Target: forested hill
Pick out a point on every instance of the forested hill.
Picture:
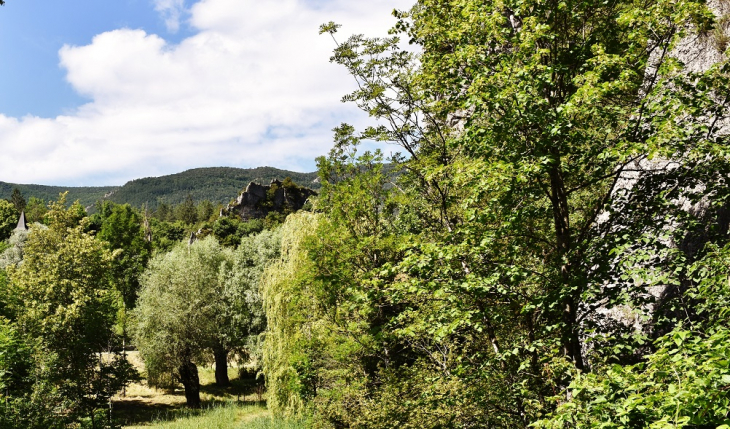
(86, 195)
(217, 184)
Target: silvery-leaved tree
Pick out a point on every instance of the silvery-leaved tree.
(177, 313)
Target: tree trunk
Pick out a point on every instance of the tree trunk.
(221, 366)
(191, 382)
(561, 216)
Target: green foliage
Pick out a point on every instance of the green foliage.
(217, 185)
(15, 360)
(121, 230)
(62, 297)
(230, 230)
(18, 200)
(186, 211)
(35, 409)
(179, 312)
(27, 401)
(249, 227)
(165, 234)
(535, 203)
(60, 218)
(200, 300)
(206, 211)
(225, 230)
(164, 212)
(274, 219)
(8, 219)
(4, 294)
(35, 210)
(685, 382)
(102, 210)
(243, 317)
(291, 315)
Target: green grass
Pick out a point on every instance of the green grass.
(222, 416)
(237, 406)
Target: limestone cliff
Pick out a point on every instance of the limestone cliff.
(257, 201)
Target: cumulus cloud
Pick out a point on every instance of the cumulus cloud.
(252, 86)
(171, 11)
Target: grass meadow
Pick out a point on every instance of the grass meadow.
(239, 406)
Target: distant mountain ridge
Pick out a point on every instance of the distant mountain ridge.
(217, 184)
(87, 195)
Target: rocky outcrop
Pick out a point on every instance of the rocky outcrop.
(257, 200)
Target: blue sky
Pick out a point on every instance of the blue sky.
(33, 31)
(97, 92)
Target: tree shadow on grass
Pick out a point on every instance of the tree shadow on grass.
(243, 390)
(137, 412)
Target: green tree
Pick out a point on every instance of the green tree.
(292, 315)
(538, 188)
(103, 209)
(242, 318)
(225, 230)
(250, 227)
(17, 199)
(186, 211)
(165, 234)
(122, 231)
(164, 212)
(28, 402)
(685, 382)
(178, 312)
(206, 210)
(4, 294)
(62, 296)
(8, 219)
(35, 210)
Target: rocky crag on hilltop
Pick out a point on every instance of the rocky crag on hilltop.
(257, 201)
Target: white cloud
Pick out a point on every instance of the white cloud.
(252, 86)
(171, 11)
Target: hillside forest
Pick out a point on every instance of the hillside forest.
(216, 184)
(548, 249)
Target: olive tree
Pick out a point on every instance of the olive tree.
(178, 310)
(200, 300)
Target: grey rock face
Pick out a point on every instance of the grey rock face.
(698, 53)
(259, 200)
